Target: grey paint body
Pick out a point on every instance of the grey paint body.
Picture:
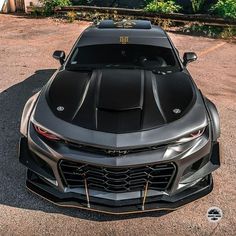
(195, 119)
(202, 114)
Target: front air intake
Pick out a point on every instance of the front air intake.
(121, 179)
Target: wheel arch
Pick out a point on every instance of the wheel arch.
(26, 114)
(214, 118)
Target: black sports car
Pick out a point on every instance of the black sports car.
(120, 127)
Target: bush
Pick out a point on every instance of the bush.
(211, 31)
(81, 2)
(49, 5)
(197, 5)
(71, 16)
(162, 6)
(225, 8)
(36, 11)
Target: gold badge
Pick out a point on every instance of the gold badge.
(124, 39)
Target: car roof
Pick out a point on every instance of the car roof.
(142, 33)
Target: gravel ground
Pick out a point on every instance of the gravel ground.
(26, 46)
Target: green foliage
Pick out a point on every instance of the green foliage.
(82, 2)
(49, 5)
(225, 8)
(228, 32)
(71, 16)
(36, 11)
(197, 5)
(162, 6)
(147, 1)
(212, 31)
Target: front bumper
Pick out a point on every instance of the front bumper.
(37, 186)
(44, 179)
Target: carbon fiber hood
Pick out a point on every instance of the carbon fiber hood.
(120, 101)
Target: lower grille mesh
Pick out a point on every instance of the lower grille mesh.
(123, 179)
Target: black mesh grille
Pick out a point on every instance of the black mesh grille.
(123, 179)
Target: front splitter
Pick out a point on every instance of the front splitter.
(102, 205)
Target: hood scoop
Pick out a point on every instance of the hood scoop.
(120, 101)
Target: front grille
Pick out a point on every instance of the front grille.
(125, 179)
(110, 152)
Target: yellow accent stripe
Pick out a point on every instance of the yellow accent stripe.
(108, 212)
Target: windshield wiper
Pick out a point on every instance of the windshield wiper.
(118, 66)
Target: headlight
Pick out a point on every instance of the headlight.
(184, 143)
(46, 134)
(191, 136)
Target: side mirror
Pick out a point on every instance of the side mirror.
(60, 56)
(189, 57)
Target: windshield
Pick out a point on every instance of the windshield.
(123, 56)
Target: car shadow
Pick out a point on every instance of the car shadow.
(12, 173)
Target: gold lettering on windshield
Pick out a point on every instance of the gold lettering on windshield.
(124, 39)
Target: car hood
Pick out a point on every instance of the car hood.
(194, 116)
(120, 101)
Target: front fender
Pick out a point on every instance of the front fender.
(26, 114)
(214, 119)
